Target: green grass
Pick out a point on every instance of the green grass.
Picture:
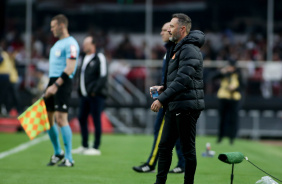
(121, 152)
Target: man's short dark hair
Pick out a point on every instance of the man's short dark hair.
(183, 20)
(61, 19)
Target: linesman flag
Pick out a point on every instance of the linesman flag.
(35, 119)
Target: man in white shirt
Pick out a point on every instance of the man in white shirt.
(93, 91)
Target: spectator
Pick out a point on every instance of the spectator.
(14, 101)
(229, 95)
(5, 67)
(125, 50)
(41, 83)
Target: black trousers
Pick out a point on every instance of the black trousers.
(153, 158)
(228, 125)
(93, 106)
(183, 126)
(4, 92)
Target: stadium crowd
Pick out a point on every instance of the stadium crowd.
(218, 46)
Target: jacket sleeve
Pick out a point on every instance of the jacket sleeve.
(103, 75)
(189, 61)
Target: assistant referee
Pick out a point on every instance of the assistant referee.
(62, 66)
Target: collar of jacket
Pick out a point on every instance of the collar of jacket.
(195, 37)
(95, 54)
(169, 44)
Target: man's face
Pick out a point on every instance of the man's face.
(164, 33)
(87, 45)
(56, 29)
(174, 30)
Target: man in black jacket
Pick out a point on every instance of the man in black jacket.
(93, 91)
(150, 164)
(183, 96)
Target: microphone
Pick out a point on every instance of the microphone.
(231, 157)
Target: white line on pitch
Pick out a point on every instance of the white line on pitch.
(23, 146)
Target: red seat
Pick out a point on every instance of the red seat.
(9, 125)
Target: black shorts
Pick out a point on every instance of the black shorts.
(59, 101)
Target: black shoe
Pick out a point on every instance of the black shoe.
(56, 159)
(145, 168)
(66, 163)
(177, 170)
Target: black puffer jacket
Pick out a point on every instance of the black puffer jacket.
(184, 75)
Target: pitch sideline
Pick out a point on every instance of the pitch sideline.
(23, 146)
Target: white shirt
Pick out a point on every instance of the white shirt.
(86, 60)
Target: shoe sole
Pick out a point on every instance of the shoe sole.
(65, 166)
(153, 171)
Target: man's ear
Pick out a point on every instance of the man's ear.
(62, 25)
(184, 29)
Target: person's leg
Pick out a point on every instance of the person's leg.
(168, 139)
(14, 97)
(234, 116)
(158, 128)
(4, 83)
(53, 131)
(84, 109)
(62, 99)
(17, 98)
(54, 134)
(2, 95)
(151, 162)
(222, 119)
(9, 98)
(180, 167)
(186, 125)
(181, 159)
(97, 105)
(62, 120)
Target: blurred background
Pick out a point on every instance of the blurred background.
(127, 32)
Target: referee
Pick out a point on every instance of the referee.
(62, 66)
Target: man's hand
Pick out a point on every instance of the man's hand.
(160, 89)
(51, 90)
(156, 105)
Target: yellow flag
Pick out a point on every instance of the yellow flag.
(35, 119)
